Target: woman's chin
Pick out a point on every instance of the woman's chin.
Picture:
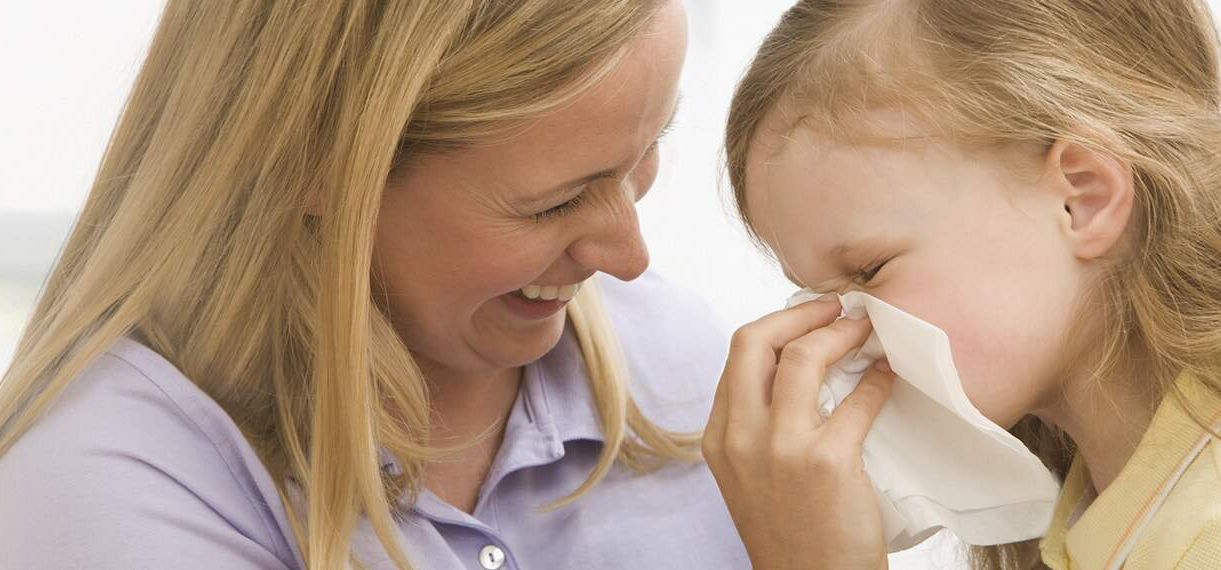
(514, 346)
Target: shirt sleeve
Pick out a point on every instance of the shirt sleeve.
(115, 475)
(1204, 551)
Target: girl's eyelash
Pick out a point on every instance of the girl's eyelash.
(867, 275)
(562, 209)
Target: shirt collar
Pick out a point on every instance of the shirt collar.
(557, 395)
(1092, 539)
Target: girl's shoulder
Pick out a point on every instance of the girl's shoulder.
(132, 465)
(674, 344)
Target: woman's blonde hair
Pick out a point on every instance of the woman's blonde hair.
(1135, 80)
(196, 237)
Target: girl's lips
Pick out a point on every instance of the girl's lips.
(534, 310)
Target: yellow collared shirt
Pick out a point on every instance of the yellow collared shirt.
(1184, 533)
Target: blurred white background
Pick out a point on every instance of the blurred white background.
(68, 67)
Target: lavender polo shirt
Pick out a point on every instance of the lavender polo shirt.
(135, 467)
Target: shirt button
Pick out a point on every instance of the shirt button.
(492, 557)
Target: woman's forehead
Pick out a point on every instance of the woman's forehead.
(604, 129)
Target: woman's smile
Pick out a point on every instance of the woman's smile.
(537, 302)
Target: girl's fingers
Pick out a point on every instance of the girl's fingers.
(850, 422)
(799, 376)
(752, 352)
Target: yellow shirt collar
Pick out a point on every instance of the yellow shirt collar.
(1106, 522)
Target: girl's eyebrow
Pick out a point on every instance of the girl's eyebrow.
(856, 246)
(842, 255)
(846, 249)
(837, 253)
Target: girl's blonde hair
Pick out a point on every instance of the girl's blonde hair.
(196, 239)
(1136, 80)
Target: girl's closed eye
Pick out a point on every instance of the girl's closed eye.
(864, 276)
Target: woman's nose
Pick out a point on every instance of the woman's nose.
(615, 245)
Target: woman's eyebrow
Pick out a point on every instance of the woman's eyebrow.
(565, 187)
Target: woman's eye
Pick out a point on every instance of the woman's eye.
(562, 209)
(660, 136)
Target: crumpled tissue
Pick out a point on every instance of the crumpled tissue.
(935, 461)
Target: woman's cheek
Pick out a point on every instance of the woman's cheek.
(509, 262)
(501, 265)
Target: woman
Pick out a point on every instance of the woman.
(331, 299)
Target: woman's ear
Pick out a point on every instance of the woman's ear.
(1097, 192)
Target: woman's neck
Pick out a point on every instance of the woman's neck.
(1106, 421)
(469, 413)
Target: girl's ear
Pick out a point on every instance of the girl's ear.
(1096, 190)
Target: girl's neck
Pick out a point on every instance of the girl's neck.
(1105, 419)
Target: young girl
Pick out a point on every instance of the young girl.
(1041, 179)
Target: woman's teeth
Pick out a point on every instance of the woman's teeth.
(563, 293)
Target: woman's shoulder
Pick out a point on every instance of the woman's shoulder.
(135, 465)
(674, 344)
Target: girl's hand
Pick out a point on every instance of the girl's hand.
(795, 484)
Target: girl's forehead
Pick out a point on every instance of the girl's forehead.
(820, 192)
(802, 168)
(789, 122)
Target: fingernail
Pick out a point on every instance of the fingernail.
(882, 365)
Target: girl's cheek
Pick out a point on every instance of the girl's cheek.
(991, 378)
(973, 352)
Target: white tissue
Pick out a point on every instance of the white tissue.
(934, 459)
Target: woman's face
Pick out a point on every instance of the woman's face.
(958, 240)
(465, 238)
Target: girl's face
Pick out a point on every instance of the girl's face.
(465, 237)
(964, 242)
